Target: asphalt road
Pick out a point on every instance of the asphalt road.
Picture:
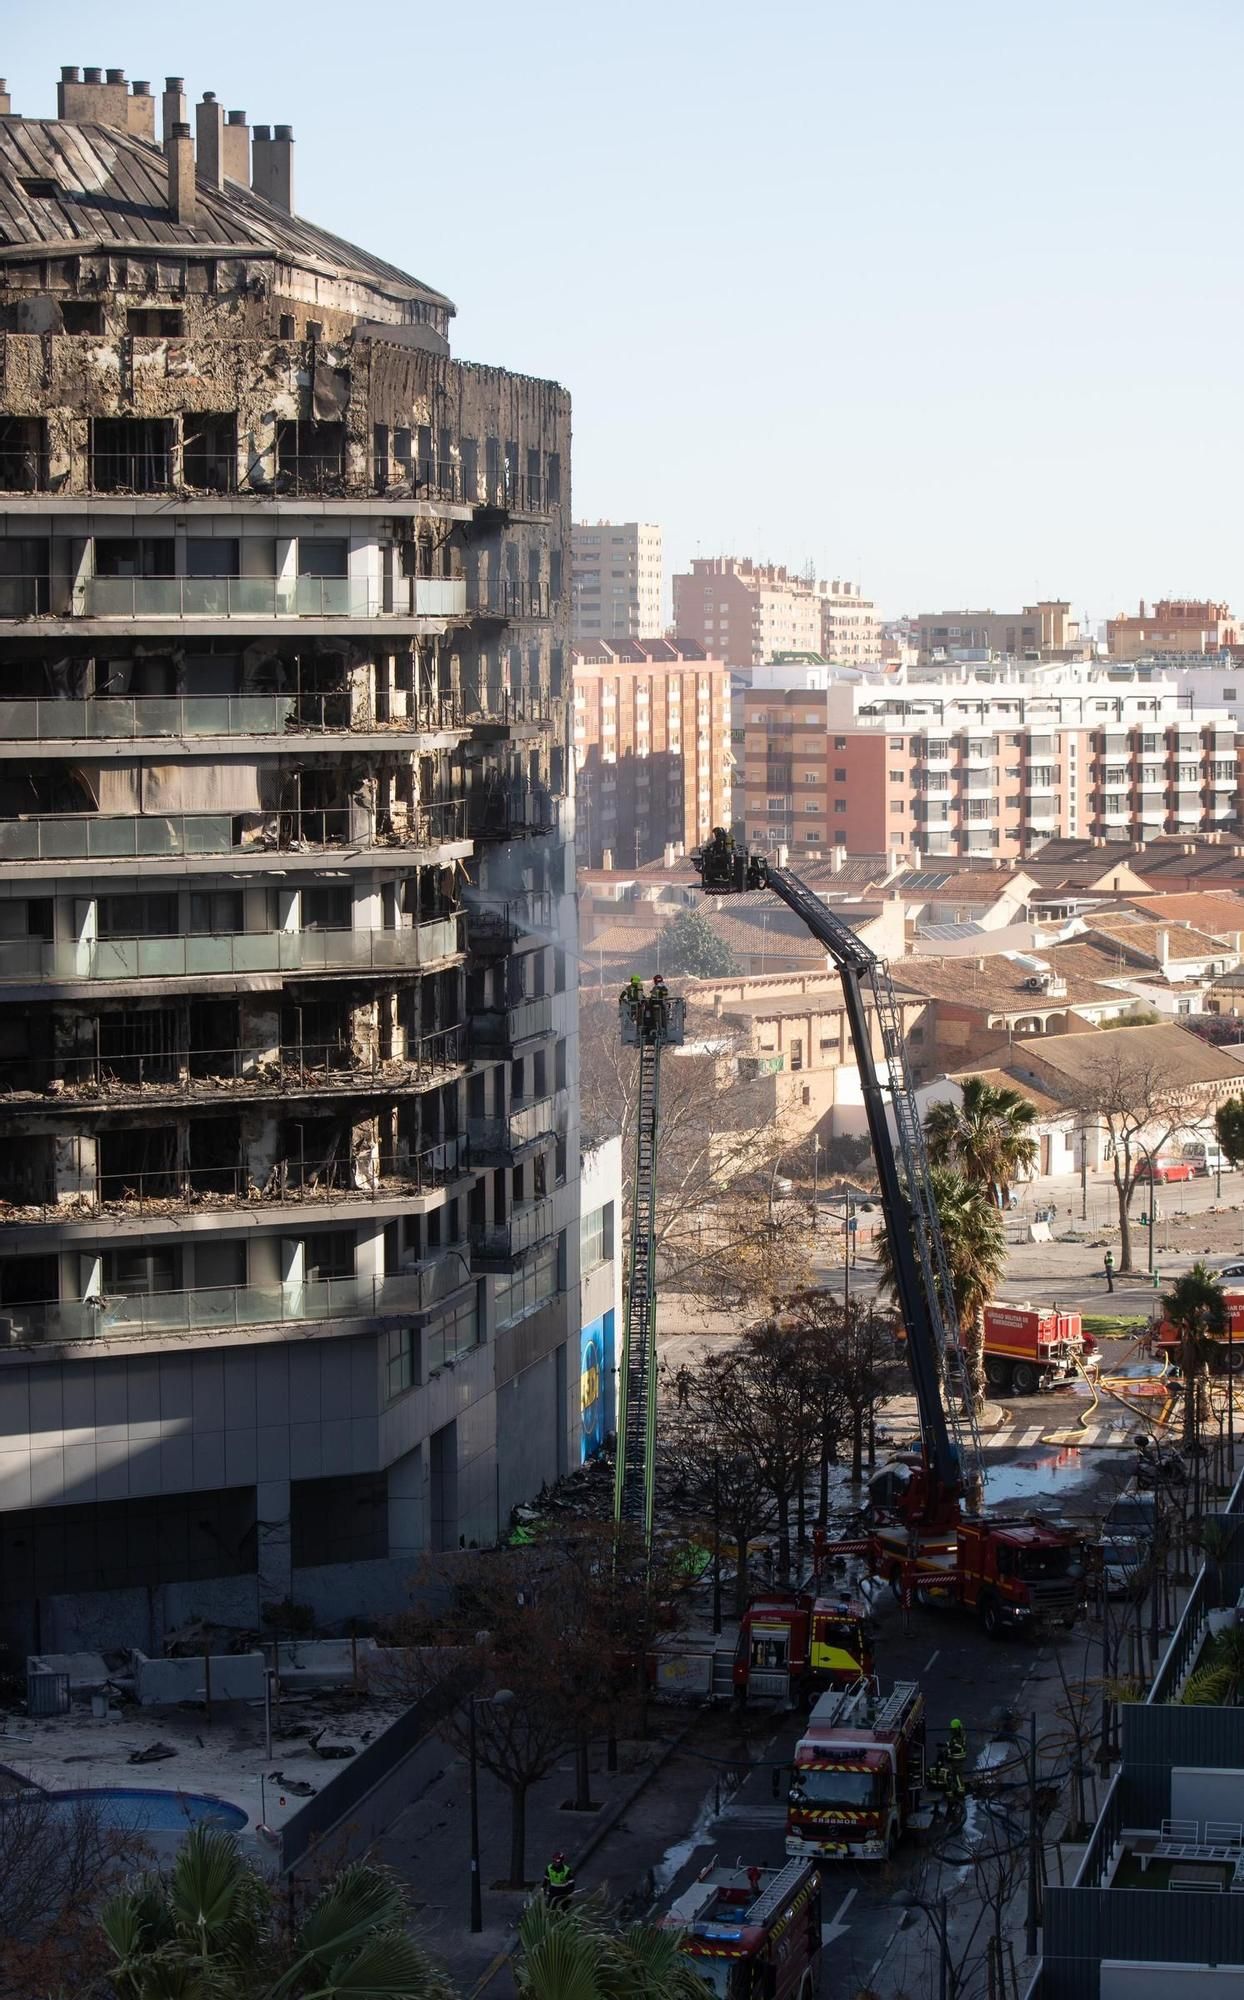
(875, 1940)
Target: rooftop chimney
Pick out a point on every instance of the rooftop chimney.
(209, 129)
(140, 111)
(272, 166)
(236, 155)
(86, 98)
(179, 155)
(6, 102)
(173, 110)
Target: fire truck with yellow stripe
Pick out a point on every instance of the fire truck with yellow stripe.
(858, 1774)
(753, 1931)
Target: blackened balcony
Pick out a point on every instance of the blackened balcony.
(501, 1030)
(192, 1076)
(127, 837)
(175, 1190)
(502, 1246)
(124, 719)
(504, 598)
(495, 927)
(506, 812)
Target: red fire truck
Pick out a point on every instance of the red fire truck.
(1226, 1351)
(1033, 1347)
(751, 1931)
(858, 1773)
(791, 1647)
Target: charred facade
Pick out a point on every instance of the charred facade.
(288, 1139)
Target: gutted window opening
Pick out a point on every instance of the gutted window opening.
(168, 322)
(209, 454)
(131, 454)
(82, 316)
(23, 457)
(310, 455)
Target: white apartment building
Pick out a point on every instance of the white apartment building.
(850, 628)
(617, 581)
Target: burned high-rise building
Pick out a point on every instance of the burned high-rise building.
(288, 1133)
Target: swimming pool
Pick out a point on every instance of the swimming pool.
(151, 1812)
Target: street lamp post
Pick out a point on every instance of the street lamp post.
(1153, 1196)
(501, 1699)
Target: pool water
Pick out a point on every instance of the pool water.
(152, 1812)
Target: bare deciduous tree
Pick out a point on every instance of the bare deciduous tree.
(1130, 1095)
(56, 1863)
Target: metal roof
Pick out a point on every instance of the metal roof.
(111, 192)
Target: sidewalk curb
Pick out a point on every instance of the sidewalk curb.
(613, 1813)
(600, 1832)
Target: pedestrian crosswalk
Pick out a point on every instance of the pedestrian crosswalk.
(1115, 1426)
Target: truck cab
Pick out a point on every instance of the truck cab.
(793, 1647)
(857, 1775)
(1019, 1573)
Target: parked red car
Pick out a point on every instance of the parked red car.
(1167, 1170)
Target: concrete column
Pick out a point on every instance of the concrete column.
(81, 1274)
(261, 1145)
(74, 1167)
(408, 1503)
(263, 1262)
(368, 909)
(275, 1541)
(288, 910)
(286, 566)
(85, 929)
(369, 1252)
(259, 1031)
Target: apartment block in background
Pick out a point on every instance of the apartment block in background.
(651, 750)
(743, 612)
(1179, 625)
(850, 628)
(617, 582)
(289, 1223)
(971, 766)
(1042, 631)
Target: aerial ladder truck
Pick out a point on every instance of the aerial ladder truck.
(934, 1550)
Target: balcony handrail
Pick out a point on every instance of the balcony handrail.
(123, 836)
(188, 597)
(174, 1073)
(123, 718)
(199, 956)
(186, 1187)
(507, 597)
(229, 1307)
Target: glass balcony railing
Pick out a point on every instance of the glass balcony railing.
(503, 1027)
(250, 951)
(294, 1182)
(178, 597)
(128, 837)
(220, 1308)
(173, 1074)
(120, 719)
(501, 1242)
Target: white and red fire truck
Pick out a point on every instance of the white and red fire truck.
(858, 1774)
(753, 1931)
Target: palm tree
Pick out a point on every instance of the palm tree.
(572, 1953)
(1197, 1310)
(209, 1930)
(988, 1138)
(975, 1240)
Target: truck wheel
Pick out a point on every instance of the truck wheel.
(1233, 1359)
(991, 1618)
(998, 1374)
(1024, 1378)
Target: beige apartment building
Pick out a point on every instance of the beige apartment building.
(617, 581)
(850, 627)
(744, 612)
(966, 767)
(651, 750)
(1044, 631)
(1173, 625)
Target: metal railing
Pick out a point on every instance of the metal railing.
(528, 1224)
(99, 837)
(233, 952)
(182, 1188)
(501, 1028)
(221, 1308)
(141, 469)
(141, 597)
(425, 478)
(501, 811)
(126, 718)
(507, 597)
(320, 476)
(215, 1073)
(513, 492)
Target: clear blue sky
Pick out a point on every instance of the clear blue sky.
(945, 294)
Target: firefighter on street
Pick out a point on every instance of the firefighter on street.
(558, 1882)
